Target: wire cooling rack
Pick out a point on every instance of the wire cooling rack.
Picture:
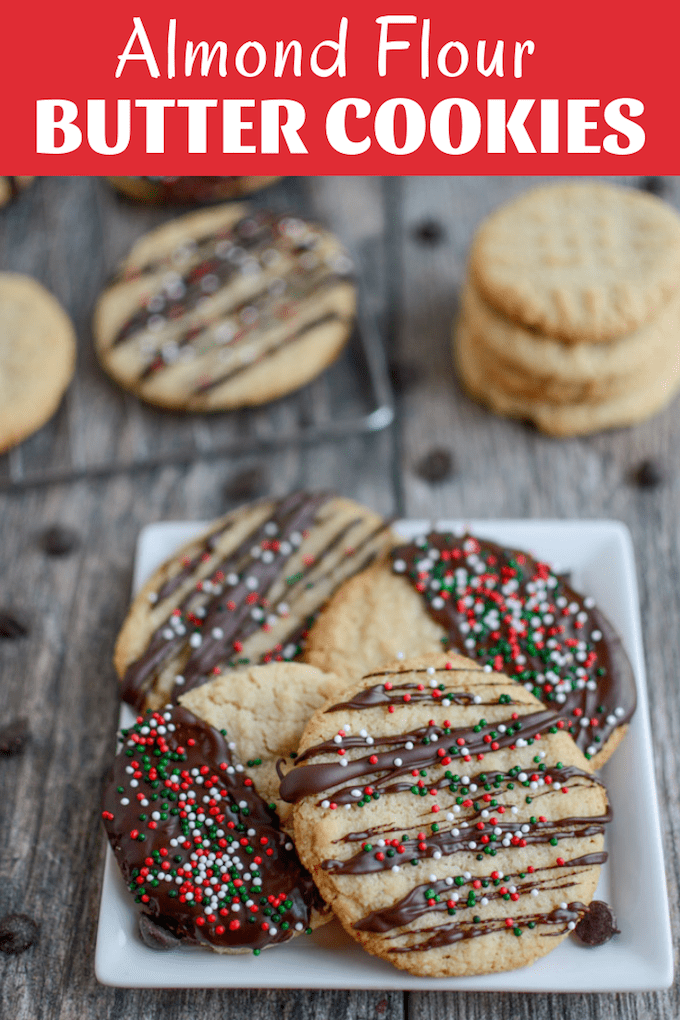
(100, 431)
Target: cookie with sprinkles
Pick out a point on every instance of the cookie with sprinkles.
(188, 190)
(226, 307)
(202, 853)
(244, 592)
(448, 818)
(502, 607)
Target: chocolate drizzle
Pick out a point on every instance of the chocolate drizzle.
(237, 297)
(209, 626)
(195, 842)
(512, 613)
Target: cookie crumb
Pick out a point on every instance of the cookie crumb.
(648, 474)
(13, 624)
(155, 936)
(429, 232)
(59, 541)
(18, 932)
(246, 484)
(597, 925)
(435, 466)
(13, 737)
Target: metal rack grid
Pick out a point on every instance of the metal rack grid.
(351, 397)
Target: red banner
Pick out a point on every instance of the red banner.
(357, 87)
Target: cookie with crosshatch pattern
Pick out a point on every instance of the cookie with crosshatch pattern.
(500, 606)
(447, 817)
(226, 307)
(244, 592)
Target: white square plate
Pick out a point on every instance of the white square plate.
(599, 555)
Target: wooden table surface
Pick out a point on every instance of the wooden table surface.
(69, 233)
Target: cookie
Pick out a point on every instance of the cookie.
(515, 348)
(571, 419)
(224, 308)
(447, 819)
(264, 710)
(200, 849)
(499, 373)
(188, 190)
(11, 188)
(501, 607)
(37, 356)
(243, 593)
(582, 262)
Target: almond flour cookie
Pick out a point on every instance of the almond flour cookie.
(11, 188)
(647, 394)
(515, 348)
(245, 592)
(224, 308)
(500, 607)
(583, 263)
(447, 818)
(200, 849)
(37, 356)
(570, 315)
(187, 190)
(264, 710)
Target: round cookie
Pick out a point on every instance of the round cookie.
(581, 262)
(188, 190)
(264, 710)
(499, 606)
(226, 307)
(540, 358)
(500, 373)
(11, 188)
(200, 849)
(582, 418)
(245, 592)
(447, 819)
(37, 356)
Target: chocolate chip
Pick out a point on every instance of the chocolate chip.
(597, 925)
(155, 936)
(403, 375)
(429, 232)
(13, 737)
(18, 932)
(654, 185)
(59, 541)
(13, 624)
(435, 466)
(648, 474)
(246, 484)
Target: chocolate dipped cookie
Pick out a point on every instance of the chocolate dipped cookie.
(245, 592)
(201, 850)
(226, 307)
(501, 607)
(447, 817)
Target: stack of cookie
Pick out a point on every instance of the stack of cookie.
(570, 316)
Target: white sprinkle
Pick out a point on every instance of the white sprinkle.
(343, 762)
(325, 804)
(408, 745)
(400, 655)
(356, 793)
(153, 597)
(398, 762)
(534, 892)
(399, 566)
(195, 640)
(217, 633)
